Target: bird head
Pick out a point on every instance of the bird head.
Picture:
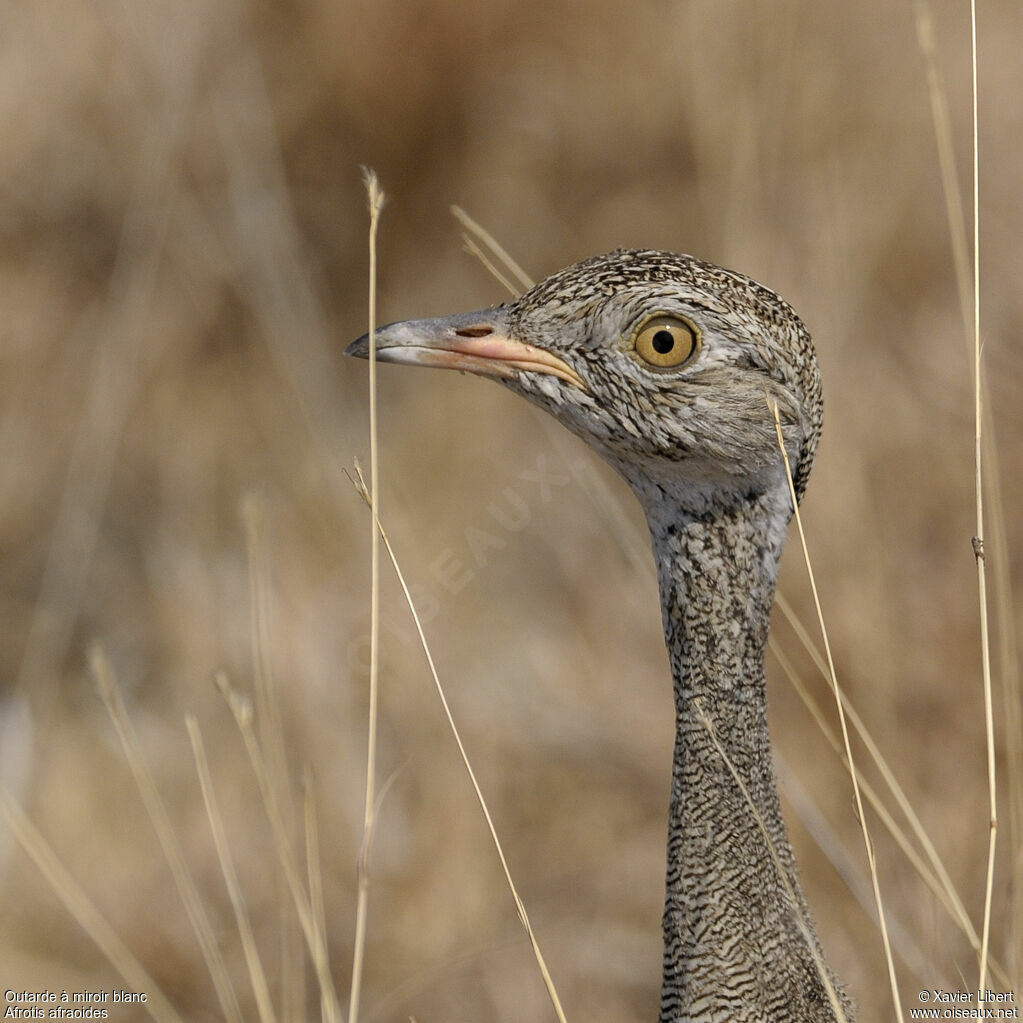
(669, 367)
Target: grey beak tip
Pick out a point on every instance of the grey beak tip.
(359, 348)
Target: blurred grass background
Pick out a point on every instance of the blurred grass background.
(182, 236)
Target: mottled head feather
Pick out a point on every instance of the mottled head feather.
(754, 346)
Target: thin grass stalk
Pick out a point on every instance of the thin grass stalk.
(847, 864)
(938, 882)
(268, 709)
(110, 693)
(978, 542)
(495, 246)
(635, 545)
(376, 201)
(271, 731)
(470, 246)
(80, 906)
(951, 898)
(314, 872)
(1012, 693)
(877, 804)
(995, 512)
(951, 188)
(804, 927)
(257, 975)
(969, 309)
(868, 845)
(241, 710)
(519, 906)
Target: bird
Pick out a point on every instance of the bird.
(686, 378)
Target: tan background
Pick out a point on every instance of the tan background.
(182, 235)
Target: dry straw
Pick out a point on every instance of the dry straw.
(978, 540)
(135, 976)
(187, 890)
(370, 495)
(847, 746)
(985, 464)
(376, 200)
(519, 906)
(804, 925)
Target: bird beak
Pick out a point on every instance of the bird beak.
(480, 343)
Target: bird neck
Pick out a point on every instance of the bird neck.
(738, 940)
(717, 572)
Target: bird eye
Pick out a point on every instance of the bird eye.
(666, 341)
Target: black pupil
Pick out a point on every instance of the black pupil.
(663, 342)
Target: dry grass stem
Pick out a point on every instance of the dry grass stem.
(833, 677)
(272, 739)
(822, 969)
(848, 864)
(951, 187)
(110, 693)
(257, 975)
(492, 243)
(314, 872)
(473, 249)
(241, 709)
(997, 556)
(376, 201)
(985, 643)
(360, 485)
(634, 542)
(938, 873)
(935, 876)
(986, 465)
(81, 907)
(268, 709)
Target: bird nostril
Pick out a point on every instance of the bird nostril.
(474, 331)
